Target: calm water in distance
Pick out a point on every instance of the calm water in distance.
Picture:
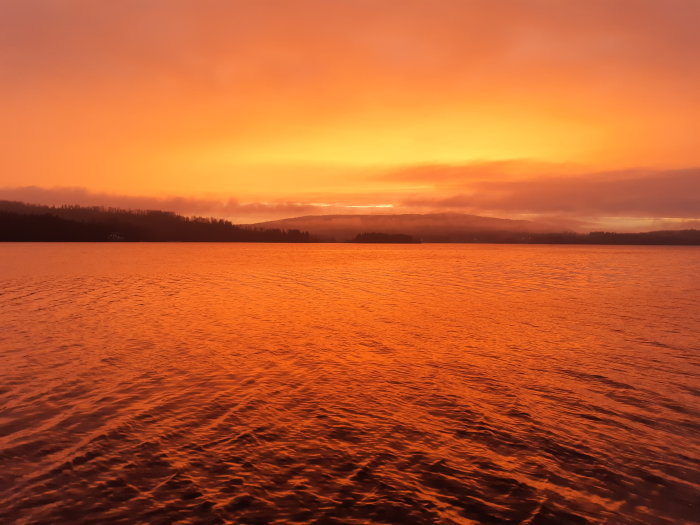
(349, 384)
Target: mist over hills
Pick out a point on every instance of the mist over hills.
(463, 228)
(37, 223)
(432, 227)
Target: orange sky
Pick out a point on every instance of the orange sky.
(259, 109)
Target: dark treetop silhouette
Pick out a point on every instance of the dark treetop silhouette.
(28, 222)
(24, 222)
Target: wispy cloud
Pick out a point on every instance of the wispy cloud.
(641, 198)
(223, 207)
(632, 193)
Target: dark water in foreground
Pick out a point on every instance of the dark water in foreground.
(276, 384)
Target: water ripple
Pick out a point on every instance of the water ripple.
(333, 384)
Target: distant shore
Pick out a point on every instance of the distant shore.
(20, 222)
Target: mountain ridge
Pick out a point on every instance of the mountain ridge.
(431, 227)
(21, 222)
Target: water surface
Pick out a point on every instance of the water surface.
(349, 384)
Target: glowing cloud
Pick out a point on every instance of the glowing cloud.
(281, 101)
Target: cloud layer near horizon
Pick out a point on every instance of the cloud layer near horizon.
(229, 208)
(501, 189)
(631, 193)
(280, 102)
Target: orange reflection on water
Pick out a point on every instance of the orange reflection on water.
(348, 384)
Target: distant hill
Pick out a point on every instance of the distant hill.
(433, 227)
(28, 222)
(462, 228)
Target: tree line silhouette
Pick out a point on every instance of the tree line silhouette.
(376, 237)
(662, 237)
(29, 222)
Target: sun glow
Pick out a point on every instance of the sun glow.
(389, 140)
(314, 103)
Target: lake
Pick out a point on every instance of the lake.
(349, 384)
